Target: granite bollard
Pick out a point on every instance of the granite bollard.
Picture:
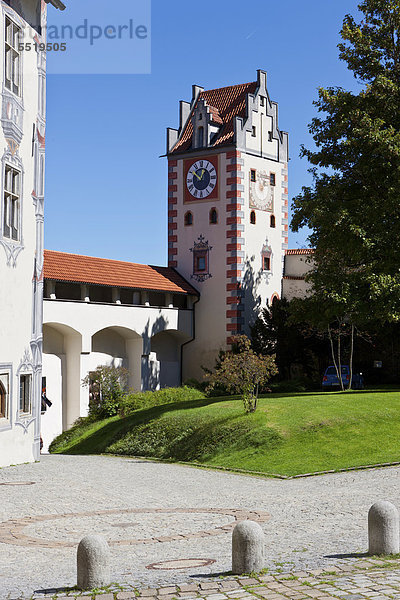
(383, 528)
(93, 562)
(247, 548)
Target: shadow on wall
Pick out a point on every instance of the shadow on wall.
(252, 301)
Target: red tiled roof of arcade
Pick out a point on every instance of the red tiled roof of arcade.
(62, 266)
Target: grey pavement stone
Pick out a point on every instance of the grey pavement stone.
(313, 521)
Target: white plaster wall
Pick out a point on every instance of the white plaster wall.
(298, 264)
(16, 444)
(265, 284)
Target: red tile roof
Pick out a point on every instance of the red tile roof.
(101, 271)
(225, 104)
(300, 251)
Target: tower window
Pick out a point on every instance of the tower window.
(253, 131)
(188, 219)
(272, 221)
(253, 217)
(266, 262)
(200, 116)
(272, 179)
(252, 175)
(12, 57)
(200, 137)
(11, 204)
(270, 136)
(213, 216)
(262, 100)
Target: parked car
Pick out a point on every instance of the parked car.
(330, 379)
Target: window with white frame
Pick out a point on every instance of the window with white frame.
(12, 71)
(4, 394)
(11, 204)
(25, 393)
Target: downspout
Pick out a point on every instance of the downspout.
(193, 337)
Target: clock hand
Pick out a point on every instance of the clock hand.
(202, 173)
(194, 173)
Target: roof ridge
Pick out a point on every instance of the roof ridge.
(226, 87)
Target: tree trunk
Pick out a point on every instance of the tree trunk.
(333, 352)
(339, 356)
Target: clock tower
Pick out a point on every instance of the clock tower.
(227, 211)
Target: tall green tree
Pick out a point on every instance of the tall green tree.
(353, 206)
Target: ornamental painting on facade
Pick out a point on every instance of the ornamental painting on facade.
(201, 263)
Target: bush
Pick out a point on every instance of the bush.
(138, 400)
(301, 384)
(106, 390)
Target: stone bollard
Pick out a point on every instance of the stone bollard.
(93, 562)
(383, 528)
(247, 548)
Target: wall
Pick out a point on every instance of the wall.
(21, 260)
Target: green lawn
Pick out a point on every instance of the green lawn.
(288, 435)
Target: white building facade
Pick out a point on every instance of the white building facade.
(22, 148)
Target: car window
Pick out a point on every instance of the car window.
(331, 371)
(345, 370)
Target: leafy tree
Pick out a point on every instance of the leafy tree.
(242, 371)
(353, 206)
(293, 343)
(107, 385)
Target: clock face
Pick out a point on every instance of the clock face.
(201, 179)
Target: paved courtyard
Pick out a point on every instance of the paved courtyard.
(171, 525)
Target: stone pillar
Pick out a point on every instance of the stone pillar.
(51, 290)
(134, 349)
(169, 300)
(383, 528)
(247, 548)
(116, 293)
(93, 562)
(85, 292)
(72, 345)
(145, 298)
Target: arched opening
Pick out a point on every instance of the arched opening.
(272, 221)
(165, 357)
(118, 347)
(213, 216)
(188, 220)
(62, 347)
(253, 217)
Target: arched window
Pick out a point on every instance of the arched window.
(188, 219)
(272, 221)
(213, 216)
(253, 217)
(3, 400)
(200, 137)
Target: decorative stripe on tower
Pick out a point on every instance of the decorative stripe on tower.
(235, 241)
(172, 213)
(285, 209)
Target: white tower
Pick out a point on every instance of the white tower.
(227, 211)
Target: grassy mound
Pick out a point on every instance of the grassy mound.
(289, 434)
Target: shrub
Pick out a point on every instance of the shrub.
(106, 390)
(139, 400)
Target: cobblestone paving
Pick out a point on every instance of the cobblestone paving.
(152, 513)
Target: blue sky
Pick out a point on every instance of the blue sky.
(105, 183)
